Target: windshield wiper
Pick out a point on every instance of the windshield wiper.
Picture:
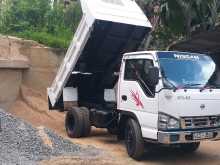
(188, 85)
(167, 80)
(209, 86)
(191, 85)
(170, 83)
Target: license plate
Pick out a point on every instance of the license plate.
(203, 135)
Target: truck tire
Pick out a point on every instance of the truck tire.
(74, 122)
(189, 147)
(86, 122)
(133, 140)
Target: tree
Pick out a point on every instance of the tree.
(23, 14)
(191, 14)
(177, 19)
(152, 10)
(40, 20)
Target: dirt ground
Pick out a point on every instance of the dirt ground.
(32, 107)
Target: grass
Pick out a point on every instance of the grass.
(55, 41)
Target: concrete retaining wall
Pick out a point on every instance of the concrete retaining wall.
(25, 63)
(10, 82)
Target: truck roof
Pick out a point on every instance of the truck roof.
(155, 51)
(141, 52)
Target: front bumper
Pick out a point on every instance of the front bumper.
(184, 136)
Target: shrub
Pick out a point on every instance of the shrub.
(39, 20)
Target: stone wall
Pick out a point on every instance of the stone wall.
(10, 82)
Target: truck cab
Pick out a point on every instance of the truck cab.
(173, 97)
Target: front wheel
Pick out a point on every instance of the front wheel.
(133, 140)
(189, 147)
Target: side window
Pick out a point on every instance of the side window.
(136, 68)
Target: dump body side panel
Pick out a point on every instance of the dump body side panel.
(74, 51)
(97, 49)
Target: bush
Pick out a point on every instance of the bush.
(45, 38)
(39, 20)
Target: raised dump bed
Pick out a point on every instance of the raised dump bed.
(107, 29)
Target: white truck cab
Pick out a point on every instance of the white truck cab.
(182, 106)
(148, 97)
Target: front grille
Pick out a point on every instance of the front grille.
(200, 122)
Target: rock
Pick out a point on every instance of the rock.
(20, 143)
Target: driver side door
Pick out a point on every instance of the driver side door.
(135, 97)
(135, 93)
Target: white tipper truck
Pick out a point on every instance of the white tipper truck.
(150, 97)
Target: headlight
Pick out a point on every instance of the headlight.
(167, 122)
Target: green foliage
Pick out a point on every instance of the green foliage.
(184, 16)
(46, 38)
(179, 18)
(52, 25)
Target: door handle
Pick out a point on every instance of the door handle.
(124, 97)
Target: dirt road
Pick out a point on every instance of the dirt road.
(33, 108)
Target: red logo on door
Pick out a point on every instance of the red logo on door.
(136, 97)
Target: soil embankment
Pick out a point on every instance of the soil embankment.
(25, 63)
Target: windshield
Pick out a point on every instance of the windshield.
(188, 70)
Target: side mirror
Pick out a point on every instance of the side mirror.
(153, 76)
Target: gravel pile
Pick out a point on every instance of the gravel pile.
(20, 143)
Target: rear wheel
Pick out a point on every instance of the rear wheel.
(133, 140)
(74, 122)
(86, 122)
(189, 147)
